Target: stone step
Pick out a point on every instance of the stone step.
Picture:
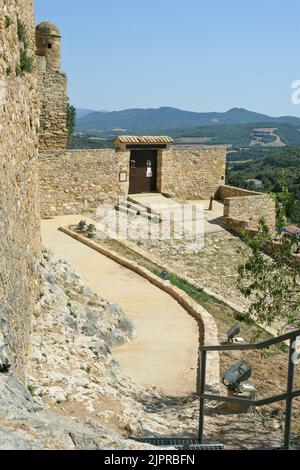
(154, 218)
(142, 207)
(126, 210)
(135, 207)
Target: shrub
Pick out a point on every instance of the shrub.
(8, 22)
(22, 33)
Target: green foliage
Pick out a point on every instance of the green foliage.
(26, 63)
(284, 201)
(272, 282)
(8, 22)
(271, 167)
(238, 135)
(32, 390)
(22, 33)
(8, 71)
(89, 142)
(71, 120)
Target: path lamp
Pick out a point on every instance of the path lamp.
(164, 275)
(234, 379)
(82, 225)
(238, 373)
(91, 231)
(233, 332)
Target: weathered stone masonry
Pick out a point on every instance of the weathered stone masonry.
(242, 206)
(78, 180)
(73, 181)
(19, 218)
(52, 88)
(53, 106)
(193, 173)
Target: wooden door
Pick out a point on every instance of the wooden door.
(143, 171)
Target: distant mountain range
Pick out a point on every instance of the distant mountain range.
(137, 121)
(82, 112)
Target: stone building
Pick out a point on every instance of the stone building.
(52, 88)
(72, 181)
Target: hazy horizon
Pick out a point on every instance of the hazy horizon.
(181, 109)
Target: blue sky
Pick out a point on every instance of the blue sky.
(191, 54)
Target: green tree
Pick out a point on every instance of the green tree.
(285, 202)
(71, 120)
(272, 282)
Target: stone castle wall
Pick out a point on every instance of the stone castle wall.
(193, 173)
(77, 180)
(53, 107)
(19, 219)
(73, 181)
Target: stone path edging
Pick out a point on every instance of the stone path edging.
(208, 331)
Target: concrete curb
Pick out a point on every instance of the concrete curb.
(208, 331)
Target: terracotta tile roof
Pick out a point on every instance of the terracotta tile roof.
(149, 139)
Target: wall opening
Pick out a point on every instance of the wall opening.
(143, 171)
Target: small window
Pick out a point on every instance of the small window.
(49, 46)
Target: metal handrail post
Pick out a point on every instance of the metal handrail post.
(289, 400)
(202, 392)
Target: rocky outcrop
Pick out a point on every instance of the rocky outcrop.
(71, 371)
(27, 425)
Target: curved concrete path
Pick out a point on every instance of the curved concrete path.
(164, 353)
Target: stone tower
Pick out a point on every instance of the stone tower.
(52, 88)
(48, 44)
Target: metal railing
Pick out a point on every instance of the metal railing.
(288, 396)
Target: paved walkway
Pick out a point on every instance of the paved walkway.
(166, 206)
(165, 351)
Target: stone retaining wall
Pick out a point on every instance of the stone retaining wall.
(230, 191)
(247, 206)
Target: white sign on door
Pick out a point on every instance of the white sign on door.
(149, 172)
